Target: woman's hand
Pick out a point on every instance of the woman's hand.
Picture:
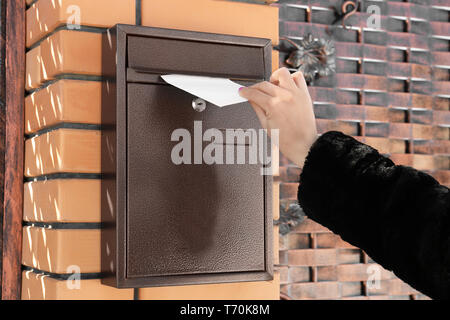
(284, 103)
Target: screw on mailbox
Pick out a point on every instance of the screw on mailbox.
(199, 104)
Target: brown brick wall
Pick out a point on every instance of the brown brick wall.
(62, 147)
(391, 90)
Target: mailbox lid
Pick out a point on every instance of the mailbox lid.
(195, 57)
(197, 53)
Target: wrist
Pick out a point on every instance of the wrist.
(300, 156)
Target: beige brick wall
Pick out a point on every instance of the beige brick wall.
(62, 149)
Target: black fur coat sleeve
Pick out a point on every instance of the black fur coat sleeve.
(399, 216)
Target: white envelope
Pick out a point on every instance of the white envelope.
(219, 91)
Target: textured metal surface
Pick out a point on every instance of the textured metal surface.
(166, 224)
(188, 218)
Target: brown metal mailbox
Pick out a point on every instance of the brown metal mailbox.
(177, 224)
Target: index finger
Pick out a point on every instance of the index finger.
(284, 78)
(299, 80)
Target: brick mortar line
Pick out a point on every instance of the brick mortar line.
(138, 18)
(64, 125)
(364, 14)
(63, 26)
(63, 225)
(62, 276)
(64, 175)
(65, 76)
(31, 4)
(346, 43)
(386, 17)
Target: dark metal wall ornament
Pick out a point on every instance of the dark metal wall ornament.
(348, 8)
(290, 217)
(313, 57)
(316, 57)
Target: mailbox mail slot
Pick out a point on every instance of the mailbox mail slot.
(174, 224)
